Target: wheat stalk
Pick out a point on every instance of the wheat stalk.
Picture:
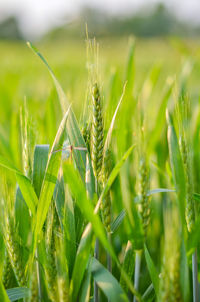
(183, 110)
(51, 268)
(106, 202)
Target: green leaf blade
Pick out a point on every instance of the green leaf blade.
(108, 284)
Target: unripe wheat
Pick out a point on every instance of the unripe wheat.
(144, 198)
(97, 132)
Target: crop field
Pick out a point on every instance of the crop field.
(99, 171)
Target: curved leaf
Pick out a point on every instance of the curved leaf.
(176, 167)
(109, 134)
(107, 283)
(9, 165)
(25, 185)
(50, 179)
(73, 130)
(86, 207)
(81, 261)
(3, 294)
(86, 286)
(118, 221)
(28, 192)
(39, 166)
(152, 270)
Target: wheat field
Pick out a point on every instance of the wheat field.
(99, 168)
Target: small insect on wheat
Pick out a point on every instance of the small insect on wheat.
(67, 150)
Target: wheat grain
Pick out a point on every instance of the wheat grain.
(86, 132)
(144, 188)
(8, 277)
(97, 132)
(14, 250)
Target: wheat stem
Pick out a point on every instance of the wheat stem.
(51, 268)
(96, 254)
(109, 258)
(138, 258)
(195, 277)
(38, 277)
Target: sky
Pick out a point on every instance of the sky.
(37, 16)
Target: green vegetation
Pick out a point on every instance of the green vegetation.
(100, 171)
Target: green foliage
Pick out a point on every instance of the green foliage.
(51, 213)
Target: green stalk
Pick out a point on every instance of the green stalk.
(38, 277)
(138, 258)
(183, 109)
(96, 253)
(195, 277)
(109, 259)
(148, 291)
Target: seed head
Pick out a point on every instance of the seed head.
(144, 198)
(97, 132)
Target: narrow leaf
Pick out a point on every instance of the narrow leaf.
(128, 264)
(107, 283)
(3, 294)
(115, 172)
(69, 231)
(25, 185)
(152, 270)
(50, 179)
(196, 196)
(109, 134)
(8, 165)
(81, 261)
(73, 130)
(28, 192)
(86, 286)
(118, 221)
(159, 190)
(176, 167)
(22, 210)
(39, 166)
(87, 209)
(17, 293)
(78, 191)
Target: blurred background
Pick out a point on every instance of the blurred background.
(28, 19)
(166, 34)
